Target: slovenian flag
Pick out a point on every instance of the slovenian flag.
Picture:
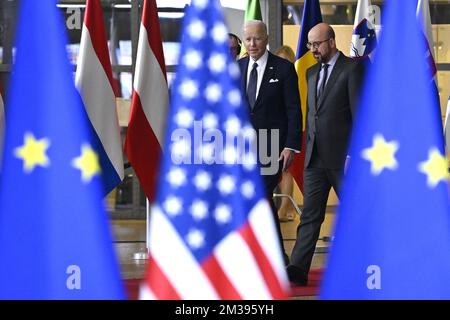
(364, 39)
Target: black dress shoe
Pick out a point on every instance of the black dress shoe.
(297, 276)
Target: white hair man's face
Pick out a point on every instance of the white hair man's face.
(255, 40)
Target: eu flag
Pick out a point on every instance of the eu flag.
(55, 241)
(392, 238)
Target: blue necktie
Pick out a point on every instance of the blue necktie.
(251, 89)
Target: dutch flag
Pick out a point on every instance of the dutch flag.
(94, 80)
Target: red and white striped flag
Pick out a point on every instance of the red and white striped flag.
(149, 102)
(447, 127)
(423, 15)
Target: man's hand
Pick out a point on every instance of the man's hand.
(287, 156)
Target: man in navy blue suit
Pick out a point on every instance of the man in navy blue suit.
(270, 84)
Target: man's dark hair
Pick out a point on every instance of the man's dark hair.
(239, 42)
(331, 33)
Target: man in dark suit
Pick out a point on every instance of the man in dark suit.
(270, 85)
(333, 85)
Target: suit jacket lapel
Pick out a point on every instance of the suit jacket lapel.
(332, 79)
(244, 75)
(268, 72)
(312, 85)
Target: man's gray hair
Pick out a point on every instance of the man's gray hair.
(256, 22)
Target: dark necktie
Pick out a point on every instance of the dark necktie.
(324, 80)
(251, 89)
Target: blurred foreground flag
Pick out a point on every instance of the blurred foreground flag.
(392, 237)
(212, 235)
(2, 126)
(94, 81)
(55, 241)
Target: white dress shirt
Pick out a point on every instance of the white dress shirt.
(262, 62)
(330, 64)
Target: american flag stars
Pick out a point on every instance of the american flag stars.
(209, 113)
(196, 30)
(192, 59)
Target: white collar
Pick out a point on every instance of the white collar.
(262, 60)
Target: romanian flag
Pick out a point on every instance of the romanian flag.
(305, 60)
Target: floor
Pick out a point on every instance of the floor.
(130, 243)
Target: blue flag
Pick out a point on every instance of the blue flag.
(392, 238)
(212, 234)
(55, 241)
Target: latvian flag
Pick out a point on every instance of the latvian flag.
(149, 102)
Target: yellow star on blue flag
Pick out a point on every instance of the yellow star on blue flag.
(381, 154)
(33, 152)
(87, 163)
(435, 168)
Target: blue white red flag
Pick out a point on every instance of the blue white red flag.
(94, 82)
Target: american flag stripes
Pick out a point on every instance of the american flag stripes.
(212, 234)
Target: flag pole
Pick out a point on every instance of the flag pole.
(143, 255)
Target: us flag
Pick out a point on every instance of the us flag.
(212, 235)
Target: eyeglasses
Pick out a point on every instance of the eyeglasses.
(315, 44)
